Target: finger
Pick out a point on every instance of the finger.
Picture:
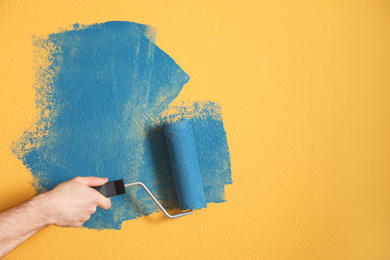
(91, 181)
(104, 203)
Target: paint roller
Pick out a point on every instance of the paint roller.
(185, 168)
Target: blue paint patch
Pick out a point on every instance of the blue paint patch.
(103, 93)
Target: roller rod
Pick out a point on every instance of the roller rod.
(156, 201)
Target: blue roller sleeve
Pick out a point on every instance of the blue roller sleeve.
(185, 165)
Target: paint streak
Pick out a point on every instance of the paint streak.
(103, 93)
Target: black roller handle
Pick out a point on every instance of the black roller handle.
(112, 188)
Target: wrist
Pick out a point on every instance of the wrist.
(43, 205)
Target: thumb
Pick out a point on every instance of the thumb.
(91, 181)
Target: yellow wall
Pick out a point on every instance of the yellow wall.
(305, 92)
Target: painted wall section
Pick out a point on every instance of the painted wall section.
(101, 93)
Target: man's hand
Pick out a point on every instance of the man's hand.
(73, 202)
(69, 204)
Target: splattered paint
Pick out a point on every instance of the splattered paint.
(103, 93)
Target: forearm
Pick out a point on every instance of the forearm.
(19, 223)
(69, 204)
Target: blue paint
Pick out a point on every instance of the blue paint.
(185, 165)
(101, 101)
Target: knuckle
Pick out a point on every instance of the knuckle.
(76, 179)
(96, 199)
(85, 218)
